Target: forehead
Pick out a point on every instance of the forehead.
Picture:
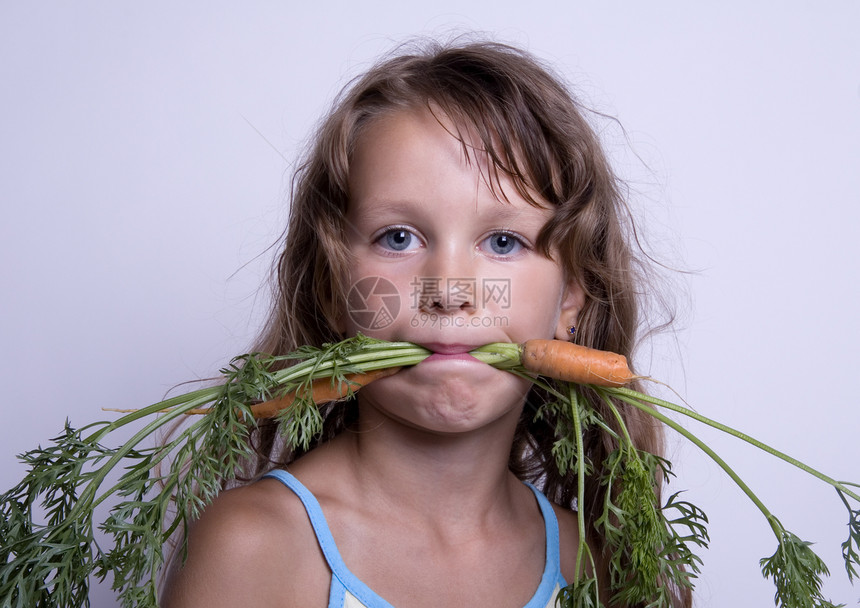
(411, 168)
(412, 142)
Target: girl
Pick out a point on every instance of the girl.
(454, 197)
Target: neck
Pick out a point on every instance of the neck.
(438, 474)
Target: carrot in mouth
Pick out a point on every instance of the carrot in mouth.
(575, 363)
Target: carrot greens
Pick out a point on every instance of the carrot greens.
(50, 549)
(650, 544)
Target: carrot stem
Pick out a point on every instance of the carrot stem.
(632, 397)
(648, 409)
(583, 547)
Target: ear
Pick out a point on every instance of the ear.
(573, 299)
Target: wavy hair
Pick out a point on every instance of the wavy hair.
(535, 132)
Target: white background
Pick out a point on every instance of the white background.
(145, 150)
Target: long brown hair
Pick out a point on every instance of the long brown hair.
(535, 132)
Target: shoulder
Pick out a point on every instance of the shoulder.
(253, 545)
(568, 533)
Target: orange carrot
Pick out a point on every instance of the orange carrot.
(574, 363)
(322, 390)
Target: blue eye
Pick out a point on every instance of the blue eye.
(502, 243)
(397, 239)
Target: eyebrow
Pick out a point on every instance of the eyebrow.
(382, 206)
(504, 212)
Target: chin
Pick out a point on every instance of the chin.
(451, 403)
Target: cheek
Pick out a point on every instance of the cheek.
(377, 302)
(536, 302)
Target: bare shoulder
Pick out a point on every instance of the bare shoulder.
(253, 545)
(568, 532)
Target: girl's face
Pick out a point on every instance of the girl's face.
(443, 261)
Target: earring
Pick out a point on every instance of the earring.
(571, 331)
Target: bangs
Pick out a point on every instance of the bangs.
(500, 106)
(496, 147)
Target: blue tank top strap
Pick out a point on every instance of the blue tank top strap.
(342, 577)
(344, 580)
(552, 571)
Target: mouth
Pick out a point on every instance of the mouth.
(450, 352)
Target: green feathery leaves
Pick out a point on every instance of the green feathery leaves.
(581, 594)
(851, 546)
(48, 548)
(796, 572)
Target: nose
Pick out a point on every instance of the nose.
(448, 283)
(446, 294)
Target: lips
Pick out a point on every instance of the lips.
(450, 352)
(449, 349)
